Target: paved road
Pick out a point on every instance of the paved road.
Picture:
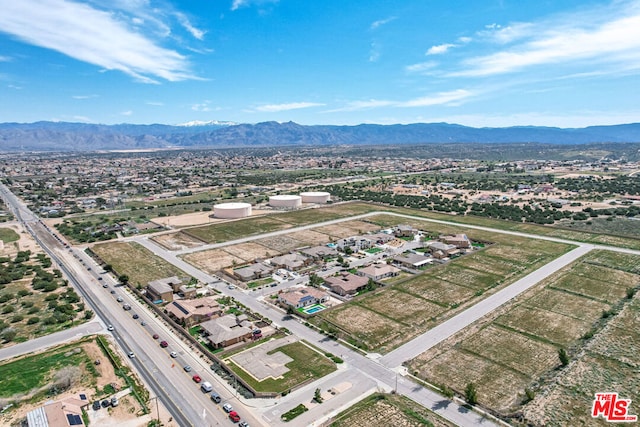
(458, 322)
(41, 343)
(384, 377)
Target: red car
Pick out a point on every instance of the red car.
(197, 378)
(233, 416)
(155, 336)
(164, 344)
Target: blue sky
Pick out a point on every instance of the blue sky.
(564, 63)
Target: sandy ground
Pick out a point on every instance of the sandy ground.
(25, 242)
(197, 218)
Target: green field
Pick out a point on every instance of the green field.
(8, 235)
(307, 364)
(24, 375)
(518, 345)
(135, 261)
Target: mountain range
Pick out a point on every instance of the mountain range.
(64, 136)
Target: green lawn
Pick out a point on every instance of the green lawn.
(306, 364)
(23, 375)
(7, 235)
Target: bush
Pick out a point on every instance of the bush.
(17, 318)
(33, 320)
(298, 410)
(471, 394)
(564, 357)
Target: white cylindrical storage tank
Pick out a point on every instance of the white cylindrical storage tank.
(285, 201)
(231, 210)
(315, 197)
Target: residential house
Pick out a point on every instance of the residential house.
(355, 243)
(302, 297)
(319, 252)
(441, 250)
(290, 262)
(189, 312)
(187, 291)
(252, 272)
(62, 413)
(346, 283)
(403, 230)
(174, 281)
(160, 291)
(412, 260)
(458, 240)
(381, 238)
(378, 271)
(227, 330)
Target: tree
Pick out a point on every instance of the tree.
(124, 279)
(471, 394)
(564, 357)
(8, 334)
(317, 396)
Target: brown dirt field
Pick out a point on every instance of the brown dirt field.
(608, 290)
(405, 308)
(310, 237)
(24, 243)
(347, 228)
(388, 412)
(177, 241)
(438, 290)
(557, 328)
(279, 244)
(374, 329)
(249, 251)
(212, 260)
(497, 386)
(507, 347)
(105, 369)
(567, 304)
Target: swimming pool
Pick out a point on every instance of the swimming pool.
(314, 308)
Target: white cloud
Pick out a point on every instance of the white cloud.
(14, 87)
(421, 67)
(184, 21)
(202, 107)
(237, 4)
(84, 96)
(4, 58)
(464, 39)
(443, 98)
(381, 22)
(454, 97)
(597, 38)
(126, 113)
(93, 36)
(508, 34)
(439, 49)
(155, 103)
(374, 52)
(275, 108)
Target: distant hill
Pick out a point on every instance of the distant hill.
(61, 136)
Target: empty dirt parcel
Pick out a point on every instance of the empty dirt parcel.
(382, 320)
(517, 347)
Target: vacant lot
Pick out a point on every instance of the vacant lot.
(394, 315)
(135, 261)
(231, 230)
(8, 235)
(212, 260)
(609, 362)
(511, 349)
(308, 364)
(382, 410)
(346, 229)
(176, 241)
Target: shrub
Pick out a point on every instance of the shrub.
(33, 320)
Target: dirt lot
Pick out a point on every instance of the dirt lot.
(388, 410)
(177, 241)
(347, 228)
(250, 251)
(212, 260)
(512, 348)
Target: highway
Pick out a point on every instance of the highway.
(163, 375)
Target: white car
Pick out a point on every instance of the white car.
(131, 355)
(110, 328)
(227, 408)
(173, 354)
